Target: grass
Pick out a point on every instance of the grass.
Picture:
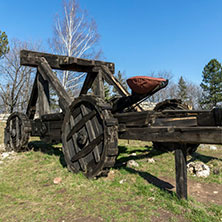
(27, 191)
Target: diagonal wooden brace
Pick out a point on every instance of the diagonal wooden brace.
(46, 71)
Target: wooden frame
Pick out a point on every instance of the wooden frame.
(181, 126)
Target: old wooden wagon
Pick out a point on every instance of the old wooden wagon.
(89, 126)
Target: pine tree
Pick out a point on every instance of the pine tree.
(182, 90)
(211, 84)
(3, 44)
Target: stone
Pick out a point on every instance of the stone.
(213, 147)
(132, 163)
(216, 171)
(122, 181)
(199, 169)
(57, 180)
(5, 155)
(151, 160)
(133, 154)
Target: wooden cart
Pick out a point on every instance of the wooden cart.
(89, 126)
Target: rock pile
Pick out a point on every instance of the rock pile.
(199, 169)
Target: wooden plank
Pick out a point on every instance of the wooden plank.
(80, 124)
(182, 121)
(152, 118)
(91, 133)
(31, 58)
(43, 95)
(88, 148)
(88, 82)
(75, 147)
(98, 86)
(208, 135)
(181, 172)
(109, 78)
(31, 108)
(49, 75)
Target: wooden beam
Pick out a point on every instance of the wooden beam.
(43, 95)
(98, 86)
(181, 172)
(31, 58)
(109, 78)
(47, 73)
(31, 108)
(88, 82)
(208, 135)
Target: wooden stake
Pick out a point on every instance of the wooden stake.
(181, 172)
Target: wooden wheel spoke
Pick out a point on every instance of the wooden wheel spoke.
(87, 149)
(91, 130)
(80, 124)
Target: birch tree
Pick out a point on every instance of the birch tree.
(74, 35)
(16, 80)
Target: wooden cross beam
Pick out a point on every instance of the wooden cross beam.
(31, 58)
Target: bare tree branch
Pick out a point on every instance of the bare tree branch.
(74, 35)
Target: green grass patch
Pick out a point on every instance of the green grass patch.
(27, 191)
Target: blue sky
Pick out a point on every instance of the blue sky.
(139, 36)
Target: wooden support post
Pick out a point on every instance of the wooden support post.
(31, 108)
(181, 172)
(98, 85)
(43, 95)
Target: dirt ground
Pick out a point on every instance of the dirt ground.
(201, 192)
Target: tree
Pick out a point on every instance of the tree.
(74, 35)
(169, 92)
(211, 84)
(182, 92)
(3, 44)
(121, 78)
(17, 80)
(194, 95)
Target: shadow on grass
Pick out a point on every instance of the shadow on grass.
(149, 153)
(141, 154)
(48, 149)
(203, 158)
(152, 179)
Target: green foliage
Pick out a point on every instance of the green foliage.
(182, 90)
(4, 48)
(107, 91)
(120, 77)
(211, 84)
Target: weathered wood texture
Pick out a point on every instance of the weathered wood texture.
(31, 58)
(90, 77)
(181, 172)
(208, 135)
(50, 76)
(31, 108)
(152, 118)
(43, 95)
(98, 85)
(109, 78)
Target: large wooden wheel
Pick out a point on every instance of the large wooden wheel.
(17, 132)
(171, 146)
(89, 137)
